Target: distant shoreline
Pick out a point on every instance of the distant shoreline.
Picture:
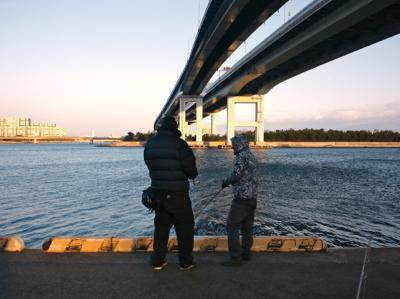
(69, 139)
(275, 144)
(206, 144)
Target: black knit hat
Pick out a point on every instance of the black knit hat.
(168, 122)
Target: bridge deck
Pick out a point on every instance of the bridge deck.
(334, 274)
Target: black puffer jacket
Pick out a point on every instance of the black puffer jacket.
(170, 161)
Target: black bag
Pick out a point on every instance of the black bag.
(150, 200)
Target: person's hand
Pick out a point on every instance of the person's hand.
(224, 184)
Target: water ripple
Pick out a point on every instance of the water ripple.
(349, 197)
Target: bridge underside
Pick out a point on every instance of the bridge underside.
(371, 30)
(225, 26)
(324, 31)
(265, 71)
(239, 19)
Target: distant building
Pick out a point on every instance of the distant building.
(23, 127)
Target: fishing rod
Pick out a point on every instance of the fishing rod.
(211, 197)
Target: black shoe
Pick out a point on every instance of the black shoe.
(184, 268)
(160, 267)
(246, 256)
(232, 263)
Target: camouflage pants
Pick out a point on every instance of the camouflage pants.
(240, 218)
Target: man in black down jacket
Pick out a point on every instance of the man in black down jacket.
(171, 163)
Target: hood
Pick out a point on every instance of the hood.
(239, 144)
(169, 124)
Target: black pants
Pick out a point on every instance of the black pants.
(241, 217)
(176, 210)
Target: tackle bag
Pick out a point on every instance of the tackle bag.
(150, 200)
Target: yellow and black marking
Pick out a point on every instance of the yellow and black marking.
(81, 244)
(11, 244)
(201, 244)
(289, 244)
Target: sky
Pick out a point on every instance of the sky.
(109, 66)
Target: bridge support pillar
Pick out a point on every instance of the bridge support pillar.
(258, 123)
(182, 118)
(183, 125)
(213, 123)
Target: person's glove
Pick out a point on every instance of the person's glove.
(224, 184)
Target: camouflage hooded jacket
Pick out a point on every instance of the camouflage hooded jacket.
(244, 177)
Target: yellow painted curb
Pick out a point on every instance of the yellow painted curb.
(201, 244)
(11, 244)
(288, 244)
(92, 244)
(144, 244)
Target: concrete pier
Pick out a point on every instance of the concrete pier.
(333, 274)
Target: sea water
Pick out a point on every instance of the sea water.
(349, 197)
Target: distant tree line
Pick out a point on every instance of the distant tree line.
(207, 137)
(294, 135)
(138, 136)
(331, 135)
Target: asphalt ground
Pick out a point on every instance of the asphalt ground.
(333, 274)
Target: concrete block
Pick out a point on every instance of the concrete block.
(75, 245)
(281, 244)
(222, 244)
(173, 244)
(3, 243)
(259, 244)
(82, 244)
(94, 245)
(124, 245)
(295, 243)
(144, 244)
(311, 244)
(56, 245)
(11, 244)
(208, 244)
(196, 244)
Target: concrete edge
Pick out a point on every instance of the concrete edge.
(11, 244)
(201, 244)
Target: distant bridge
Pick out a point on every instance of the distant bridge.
(321, 32)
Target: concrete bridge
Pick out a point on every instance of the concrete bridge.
(321, 32)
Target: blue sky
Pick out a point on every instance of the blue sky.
(109, 66)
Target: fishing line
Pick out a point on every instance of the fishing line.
(363, 276)
(210, 198)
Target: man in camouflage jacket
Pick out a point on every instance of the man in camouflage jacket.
(244, 180)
